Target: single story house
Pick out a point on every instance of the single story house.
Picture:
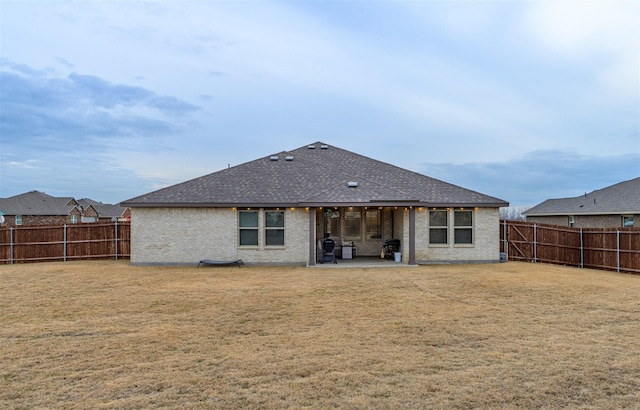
(276, 209)
(615, 206)
(37, 208)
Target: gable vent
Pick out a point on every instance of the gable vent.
(324, 146)
(288, 158)
(352, 184)
(274, 158)
(311, 146)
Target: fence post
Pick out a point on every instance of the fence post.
(506, 231)
(581, 250)
(535, 243)
(618, 248)
(11, 244)
(116, 225)
(64, 243)
(505, 241)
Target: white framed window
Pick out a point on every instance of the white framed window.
(572, 220)
(248, 228)
(18, 219)
(74, 219)
(438, 227)
(332, 223)
(463, 227)
(274, 228)
(373, 225)
(352, 223)
(627, 221)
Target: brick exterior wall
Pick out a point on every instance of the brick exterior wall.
(35, 220)
(584, 221)
(486, 239)
(188, 235)
(91, 213)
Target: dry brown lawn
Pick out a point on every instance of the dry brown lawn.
(513, 335)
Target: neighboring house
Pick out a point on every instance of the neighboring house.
(95, 211)
(275, 210)
(38, 208)
(614, 206)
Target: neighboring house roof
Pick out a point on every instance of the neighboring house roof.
(37, 203)
(103, 210)
(621, 198)
(316, 176)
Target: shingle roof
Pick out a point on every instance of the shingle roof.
(103, 210)
(621, 198)
(313, 177)
(36, 203)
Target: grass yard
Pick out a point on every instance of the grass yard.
(513, 335)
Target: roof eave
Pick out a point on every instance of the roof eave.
(588, 213)
(404, 203)
(466, 204)
(208, 204)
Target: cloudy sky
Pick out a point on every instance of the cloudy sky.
(522, 100)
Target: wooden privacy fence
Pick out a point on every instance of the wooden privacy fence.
(601, 248)
(65, 242)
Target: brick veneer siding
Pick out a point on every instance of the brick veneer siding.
(188, 235)
(486, 239)
(35, 220)
(91, 213)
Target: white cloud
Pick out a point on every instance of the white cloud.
(577, 30)
(603, 34)
(26, 164)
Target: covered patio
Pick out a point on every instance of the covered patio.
(360, 233)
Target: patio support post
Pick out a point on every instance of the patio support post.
(412, 236)
(312, 236)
